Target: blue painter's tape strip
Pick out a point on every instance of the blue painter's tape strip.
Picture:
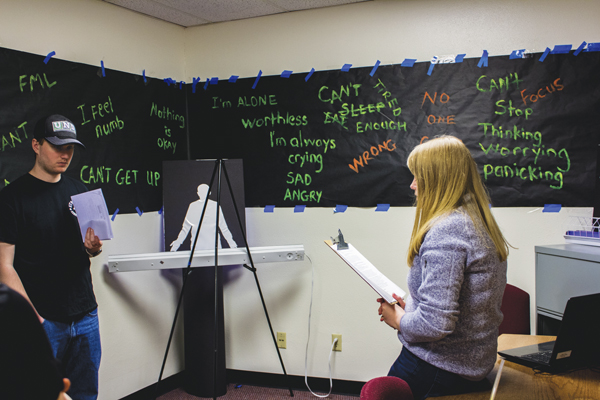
(312, 71)
(340, 208)
(102, 65)
(593, 47)
(562, 49)
(194, 83)
(346, 67)
(430, 70)
(206, 84)
(269, 209)
(214, 80)
(408, 62)
(382, 207)
(181, 83)
(552, 208)
(233, 78)
(580, 48)
(459, 58)
(161, 210)
(374, 68)
(49, 56)
(517, 54)
(114, 215)
(286, 73)
(140, 212)
(257, 79)
(144, 75)
(299, 209)
(483, 61)
(543, 57)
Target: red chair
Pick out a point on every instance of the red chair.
(515, 307)
(386, 388)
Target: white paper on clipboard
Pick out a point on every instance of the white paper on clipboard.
(363, 267)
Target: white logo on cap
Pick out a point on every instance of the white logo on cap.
(63, 126)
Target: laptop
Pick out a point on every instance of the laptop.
(577, 344)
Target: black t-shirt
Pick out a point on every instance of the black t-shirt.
(50, 258)
(28, 369)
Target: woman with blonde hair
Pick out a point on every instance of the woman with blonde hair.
(457, 258)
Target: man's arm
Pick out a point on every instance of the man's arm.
(9, 276)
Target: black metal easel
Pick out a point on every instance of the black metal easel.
(220, 169)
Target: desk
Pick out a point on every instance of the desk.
(520, 383)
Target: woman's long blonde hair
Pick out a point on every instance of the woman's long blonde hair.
(447, 178)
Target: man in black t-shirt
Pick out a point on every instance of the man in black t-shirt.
(43, 258)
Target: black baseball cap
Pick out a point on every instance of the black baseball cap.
(57, 130)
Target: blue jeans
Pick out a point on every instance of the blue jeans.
(77, 346)
(425, 380)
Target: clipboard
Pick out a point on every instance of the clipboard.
(367, 271)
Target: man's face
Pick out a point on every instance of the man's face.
(53, 159)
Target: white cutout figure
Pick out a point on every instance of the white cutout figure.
(206, 236)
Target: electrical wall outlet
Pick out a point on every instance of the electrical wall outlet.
(338, 344)
(281, 340)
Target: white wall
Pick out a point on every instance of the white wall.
(136, 308)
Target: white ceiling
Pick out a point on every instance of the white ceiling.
(188, 13)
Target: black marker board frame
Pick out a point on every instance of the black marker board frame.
(117, 117)
(339, 158)
(556, 101)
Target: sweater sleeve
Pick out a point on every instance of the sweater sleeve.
(442, 259)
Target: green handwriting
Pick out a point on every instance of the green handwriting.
(97, 110)
(166, 114)
(362, 127)
(302, 142)
(90, 174)
(540, 151)
(34, 79)
(12, 139)
(275, 119)
(515, 133)
(295, 178)
(307, 158)
(303, 195)
(110, 127)
(252, 101)
(503, 84)
(529, 172)
(329, 96)
(512, 111)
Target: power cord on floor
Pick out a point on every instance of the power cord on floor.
(312, 285)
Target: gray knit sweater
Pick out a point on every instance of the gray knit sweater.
(456, 285)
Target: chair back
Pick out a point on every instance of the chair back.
(515, 307)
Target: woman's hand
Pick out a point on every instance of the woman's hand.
(392, 314)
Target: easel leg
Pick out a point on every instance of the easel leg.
(253, 269)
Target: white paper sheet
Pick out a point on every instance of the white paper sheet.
(363, 267)
(92, 213)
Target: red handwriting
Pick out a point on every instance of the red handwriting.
(374, 151)
(542, 92)
(439, 119)
(444, 98)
